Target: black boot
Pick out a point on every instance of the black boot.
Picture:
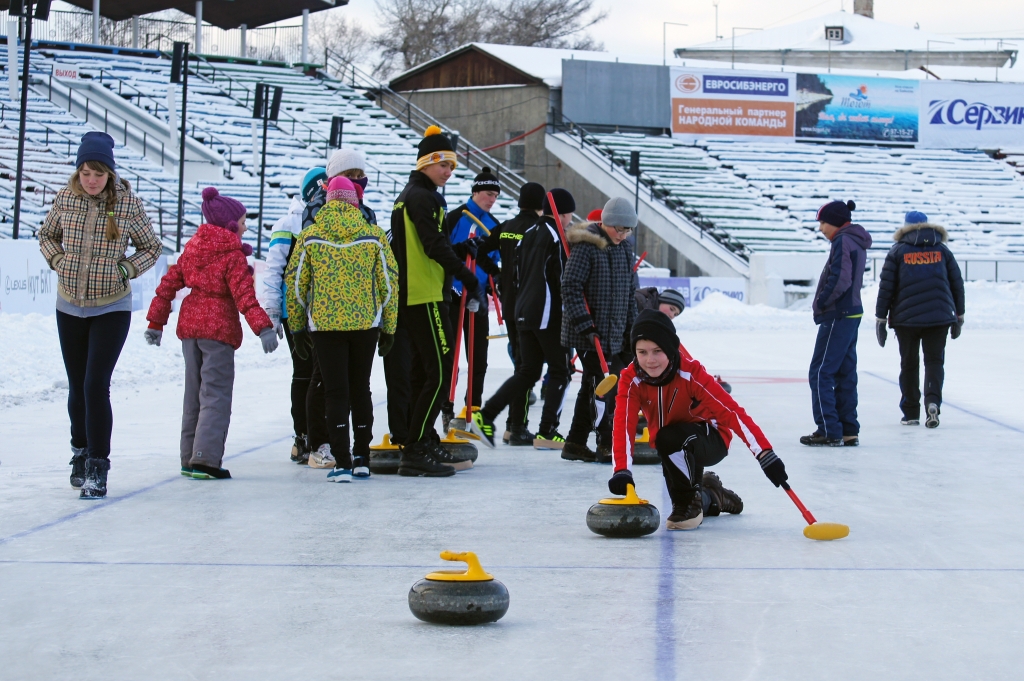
(95, 485)
(77, 467)
(722, 500)
(575, 452)
(417, 461)
(520, 437)
(300, 450)
(688, 514)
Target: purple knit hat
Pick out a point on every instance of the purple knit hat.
(222, 211)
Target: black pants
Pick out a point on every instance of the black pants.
(302, 374)
(429, 337)
(397, 369)
(588, 416)
(912, 339)
(685, 449)
(480, 332)
(346, 360)
(91, 346)
(316, 414)
(535, 348)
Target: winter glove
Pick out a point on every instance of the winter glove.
(303, 344)
(592, 337)
(880, 332)
(385, 343)
(773, 467)
(475, 299)
(269, 339)
(955, 329)
(464, 249)
(617, 483)
(275, 318)
(153, 336)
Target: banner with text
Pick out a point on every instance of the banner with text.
(740, 103)
(972, 115)
(856, 109)
(696, 289)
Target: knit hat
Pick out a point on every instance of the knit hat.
(564, 203)
(222, 211)
(486, 181)
(654, 325)
(673, 297)
(311, 181)
(618, 212)
(434, 148)
(915, 217)
(836, 213)
(342, 189)
(594, 215)
(531, 196)
(96, 146)
(345, 159)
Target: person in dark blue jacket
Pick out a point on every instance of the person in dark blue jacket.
(921, 295)
(837, 312)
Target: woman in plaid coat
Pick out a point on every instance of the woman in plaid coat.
(84, 239)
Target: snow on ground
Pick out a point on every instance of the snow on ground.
(277, 574)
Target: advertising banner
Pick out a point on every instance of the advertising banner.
(971, 115)
(27, 284)
(740, 103)
(853, 108)
(696, 289)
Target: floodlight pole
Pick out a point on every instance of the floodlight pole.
(181, 150)
(664, 40)
(27, 50)
(263, 173)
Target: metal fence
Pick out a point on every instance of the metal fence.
(274, 43)
(974, 267)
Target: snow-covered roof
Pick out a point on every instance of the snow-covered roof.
(866, 43)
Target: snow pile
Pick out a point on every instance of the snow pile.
(33, 369)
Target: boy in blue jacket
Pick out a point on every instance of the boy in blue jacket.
(837, 312)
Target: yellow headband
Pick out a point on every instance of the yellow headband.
(436, 157)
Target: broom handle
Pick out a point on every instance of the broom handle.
(799, 504)
(471, 266)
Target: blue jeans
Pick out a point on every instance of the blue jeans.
(833, 378)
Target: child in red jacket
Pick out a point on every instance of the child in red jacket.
(690, 418)
(213, 264)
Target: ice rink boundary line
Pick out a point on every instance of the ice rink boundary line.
(106, 503)
(950, 404)
(388, 566)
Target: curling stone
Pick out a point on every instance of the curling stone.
(459, 598)
(643, 453)
(459, 446)
(459, 422)
(628, 516)
(385, 457)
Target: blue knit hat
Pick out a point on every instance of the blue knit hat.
(96, 146)
(915, 217)
(836, 213)
(311, 181)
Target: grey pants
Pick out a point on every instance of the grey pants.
(206, 414)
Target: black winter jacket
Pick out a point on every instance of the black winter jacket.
(602, 273)
(505, 239)
(539, 262)
(920, 283)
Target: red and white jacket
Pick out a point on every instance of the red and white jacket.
(693, 396)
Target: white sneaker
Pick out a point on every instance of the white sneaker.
(322, 457)
(361, 473)
(340, 475)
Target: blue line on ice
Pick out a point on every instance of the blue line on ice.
(665, 631)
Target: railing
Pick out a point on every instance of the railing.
(618, 164)
(1015, 264)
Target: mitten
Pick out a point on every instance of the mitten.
(153, 336)
(880, 332)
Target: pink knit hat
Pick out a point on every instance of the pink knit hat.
(222, 211)
(342, 189)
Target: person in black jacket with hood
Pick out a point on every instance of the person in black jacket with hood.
(921, 292)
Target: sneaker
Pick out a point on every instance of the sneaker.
(688, 517)
(340, 475)
(484, 427)
(933, 416)
(77, 464)
(95, 484)
(817, 439)
(300, 450)
(417, 462)
(909, 422)
(604, 454)
(201, 472)
(722, 500)
(552, 440)
(520, 437)
(187, 471)
(574, 452)
(442, 455)
(851, 441)
(322, 457)
(361, 473)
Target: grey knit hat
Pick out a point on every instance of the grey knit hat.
(618, 212)
(672, 297)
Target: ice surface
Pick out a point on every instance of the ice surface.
(277, 574)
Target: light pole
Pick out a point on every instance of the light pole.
(715, 3)
(734, 29)
(928, 54)
(267, 106)
(664, 41)
(179, 74)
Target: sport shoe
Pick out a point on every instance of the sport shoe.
(604, 454)
(851, 441)
(484, 427)
(909, 422)
(300, 450)
(417, 462)
(322, 457)
(722, 500)
(688, 517)
(520, 437)
(574, 452)
(552, 440)
(77, 464)
(201, 472)
(187, 471)
(442, 455)
(340, 475)
(361, 473)
(933, 416)
(817, 439)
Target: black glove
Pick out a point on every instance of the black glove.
(385, 343)
(592, 336)
(617, 483)
(303, 344)
(465, 248)
(955, 329)
(880, 332)
(773, 467)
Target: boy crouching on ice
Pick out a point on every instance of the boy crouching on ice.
(690, 418)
